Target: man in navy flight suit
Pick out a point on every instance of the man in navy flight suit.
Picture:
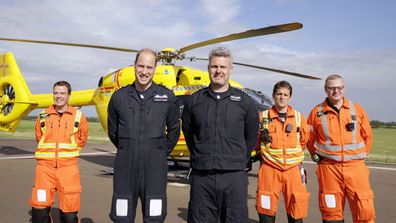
(144, 125)
(220, 124)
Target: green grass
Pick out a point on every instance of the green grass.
(384, 145)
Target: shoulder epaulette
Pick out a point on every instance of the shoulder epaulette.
(165, 86)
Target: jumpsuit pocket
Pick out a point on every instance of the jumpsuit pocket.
(42, 197)
(266, 202)
(69, 198)
(365, 205)
(299, 207)
(330, 203)
(121, 208)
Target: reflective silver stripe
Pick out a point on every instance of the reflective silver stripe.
(354, 146)
(68, 154)
(280, 160)
(325, 126)
(49, 145)
(77, 118)
(330, 156)
(334, 148)
(288, 150)
(44, 154)
(297, 116)
(359, 156)
(353, 113)
(337, 148)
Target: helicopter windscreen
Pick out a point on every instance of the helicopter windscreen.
(262, 101)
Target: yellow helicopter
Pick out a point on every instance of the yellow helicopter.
(16, 100)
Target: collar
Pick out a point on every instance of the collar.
(225, 94)
(327, 106)
(149, 92)
(273, 113)
(51, 110)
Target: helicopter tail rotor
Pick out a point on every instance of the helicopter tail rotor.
(15, 100)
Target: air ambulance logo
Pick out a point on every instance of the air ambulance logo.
(161, 98)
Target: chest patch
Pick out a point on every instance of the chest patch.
(235, 98)
(160, 98)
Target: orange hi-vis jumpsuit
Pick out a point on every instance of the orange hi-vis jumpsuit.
(281, 169)
(60, 139)
(342, 140)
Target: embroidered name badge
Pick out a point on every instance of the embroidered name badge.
(160, 98)
(235, 98)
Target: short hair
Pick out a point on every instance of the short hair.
(63, 83)
(332, 77)
(282, 84)
(146, 50)
(221, 52)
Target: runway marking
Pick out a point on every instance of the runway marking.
(178, 184)
(370, 167)
(32, 156)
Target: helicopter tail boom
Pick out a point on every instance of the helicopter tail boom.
(15, 96)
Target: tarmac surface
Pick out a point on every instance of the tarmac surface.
(17, 172)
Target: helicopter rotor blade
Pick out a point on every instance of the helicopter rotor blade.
(268, 69)
(250, 33)
(70, 44)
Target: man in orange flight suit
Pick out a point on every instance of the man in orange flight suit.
(339, 142)
(61, 132)
(283, 135)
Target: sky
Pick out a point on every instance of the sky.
(354, 38)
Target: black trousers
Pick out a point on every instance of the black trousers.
(218, 195)
(139, 174)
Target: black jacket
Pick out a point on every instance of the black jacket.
(152, 123)
(220, 133)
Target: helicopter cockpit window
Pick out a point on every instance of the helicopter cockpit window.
(261, 101)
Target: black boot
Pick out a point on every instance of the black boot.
(290, 219)
(68, 217)
(333, 221)
(266, 218)
(41, 215)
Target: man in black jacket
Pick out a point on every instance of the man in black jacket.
(220, 125)
(143, 124)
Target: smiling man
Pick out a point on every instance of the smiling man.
(220, 125)
(61, 132)
(339, 143)
(144, 125)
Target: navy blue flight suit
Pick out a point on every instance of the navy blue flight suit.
(220, 130)
(145, 131)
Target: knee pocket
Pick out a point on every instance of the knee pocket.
(299, 206)
(42, 196)
(155, 206)
(69, 198)
(365, 205)
(330, 203)
(122, 208)
(266, 202)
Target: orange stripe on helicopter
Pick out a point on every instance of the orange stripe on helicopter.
(106, 88)
(118, 83)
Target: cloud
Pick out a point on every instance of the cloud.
(221, 11)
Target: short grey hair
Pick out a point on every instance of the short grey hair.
(221, 52)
